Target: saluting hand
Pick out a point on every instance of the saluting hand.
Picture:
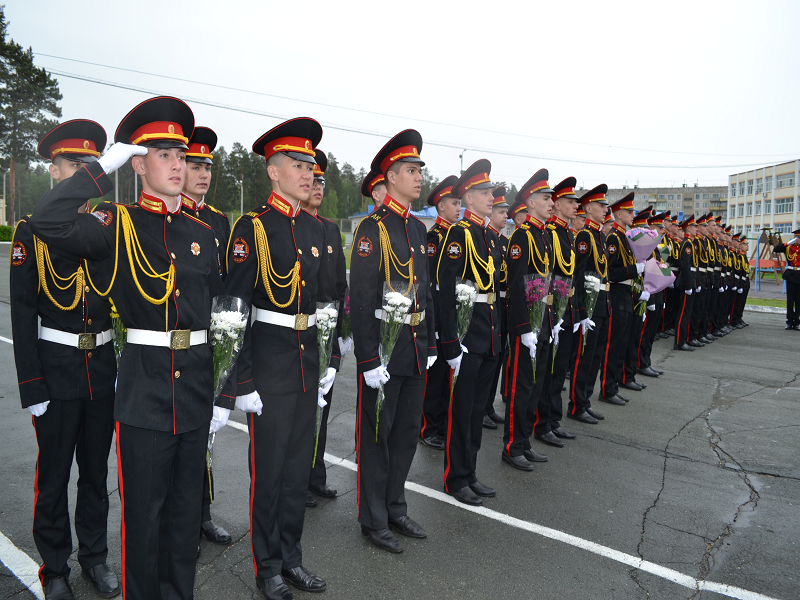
(118, 155)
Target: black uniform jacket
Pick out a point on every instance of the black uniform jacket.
(469, 247)
(621, 267)
(279, 359)
(701, 254)
(435, 236)
(337, 276)
(158, 388)
(406, 243)
(528, 254)
(47, 370)
(792, 257)
(687, 266)
(559, 236)
(217, 221)
(590, 257)
(502, 283)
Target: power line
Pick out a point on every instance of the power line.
(386, 135)
(364, 111)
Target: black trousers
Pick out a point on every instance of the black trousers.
(631, 360)
(498, 374)
(160, 488)
(792, 303)
(550, 409)
(383, 464)
(281, 451)
(524, 391)
(683, 322)
(437, 397)
(588, 361)
(81, 428)
(652, 326)
(739, 304)
(208, 494)
(319, 474)
(672, 302)
(698, 313)
(465, 420)
(619, 332)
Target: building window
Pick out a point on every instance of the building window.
(679, 196)
(697, 196)
(767, 206)
(783, 227)
(768, 181)
(749, 208)
(715, 195)
(741, 210)
(733, 190)
(749, 186)
(697, 205)
(670, 197)
(705, 204)
(758, 208)
(785, 181)
(759, 185)
(784, 205)
(661, 196)
(741, 188)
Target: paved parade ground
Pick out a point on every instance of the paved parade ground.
(690, 491)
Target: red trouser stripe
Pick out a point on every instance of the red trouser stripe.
(575, 368)
(122, 510)
(449, 431)
(251, 417)
(678, 326)
(639, 345)
(512, 396)
(36, 490)
(358, 443)
(605, 356)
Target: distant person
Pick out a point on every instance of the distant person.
(792, 278)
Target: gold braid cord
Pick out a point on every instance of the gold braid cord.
(627, 257)
(600, 262)
(503, 272)
(567, 267)
(267, 271)
(389, 259)
(42, 257)
(531, 249)
(475, 261)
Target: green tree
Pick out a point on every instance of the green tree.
(28, 95)
(330, 204)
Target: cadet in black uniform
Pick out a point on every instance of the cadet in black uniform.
(652, 324)
(160, 268)
(528, 253)
(743, 268)
(374, 186)
(469, 252)
(437, 384)
(198, 180)
(792, 278)
(671, 299)
(66, 371)
(390, 247)
(278, 262)
(702, 289)
(685, 283)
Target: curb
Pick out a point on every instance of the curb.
(765, 309)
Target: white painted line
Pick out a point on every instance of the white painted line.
(686, 581)
(6, 340)
(21, 565)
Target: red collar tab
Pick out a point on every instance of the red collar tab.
(473, 218)
(559, 221)
(592, 225)
(201, 150)
(153, 204)
(531, 220)
(74, 146)
(395, 206)
(281, 205)
(159, 130)
(493, 229)
(189, 203)
(443, 223)
(619, 228)
(397, 154)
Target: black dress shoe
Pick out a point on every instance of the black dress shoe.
(632, 385)
(657, 371)
(214, 533)
(613, 400)
(532, 455)
(303, 579)
(719, 333)
(434, 442)
(739, 326)
(647, 372)
(593, 413)
(497, 418)
(274, 588)
(564, 434)
(550, 439)
(488, 423)
(383, 539)
(518, 462)
(198, 550)
(788, 328)
(467, 496)
(484, 491)
(685, 347)
(670, 332)
(640, 384)
(311, 502)
(696, 344)
(707, 339)
(323, 491)
(58, 589)
(408, 527)
(103, 579)
(583, 417)
(619, 396)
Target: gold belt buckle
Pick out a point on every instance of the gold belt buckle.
(180, 339)
(571, 292)
(301, 322)
(549, 299)
(415, 319)
(490, 298)
(87, 341)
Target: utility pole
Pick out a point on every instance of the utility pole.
(241, 187)
(461, 156)
(3, 205)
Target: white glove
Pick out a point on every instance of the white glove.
(375, 377)
(575, 327)
(556, 330)
(455, 363)
(645, 296)
(220, 419)
(588, 325)
(431, 360)
(529, 340)
(699, 287)
(688, 292)
(118, 155)
(639, 268)
(345, 346)
(437, 335)
(672, 285)
(644, 317)
(37, 410)
(326, 382)
(249, 403)
(722, 289)
(321, 402)
(741, 290)
(651, 307)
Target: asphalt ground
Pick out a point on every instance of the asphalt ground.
(696, 481)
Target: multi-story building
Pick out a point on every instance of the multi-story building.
(684, 200)
(765, 197)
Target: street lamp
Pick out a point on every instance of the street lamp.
(3, 216)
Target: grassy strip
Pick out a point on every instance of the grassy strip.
(766, 302)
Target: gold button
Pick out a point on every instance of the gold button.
(415, 277)
(292, 221)
(303, 283)
(177, 293)
(177, 374)
(302, 347)
(86, 288)
(412, 251)
(172, 254)
(89, 355)
(492, 326)
(169, 219)
(299, 251)
(415, 334)
(89, 322)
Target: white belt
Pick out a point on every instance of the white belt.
(793, 268)
(737, 277)
(703, 269)
(299, 322)
(626, 282)
(673, 268)
(502, 294)
(485, 298)
(82, 341)
(693, 268)
(412, 319)
(177, 339)
(718, 268)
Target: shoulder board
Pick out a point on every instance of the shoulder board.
(198, 221)
(525, 226)
(254, 215)
(465, 224)
(551, 226)
(379, 214)
(219, 212)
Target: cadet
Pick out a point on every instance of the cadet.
(278, 263)
(685, 283)
(437, 385)
(699, 322)
(577, 222)
(792, 278)
(66, 371)
(518, 212)
(390, 247)
(374, 186)
(198, 180)
(469, 253)
(165, 397)
(671, 296)
(652, 324)
(743, 267)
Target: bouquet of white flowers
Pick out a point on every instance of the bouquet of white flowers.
(591, 284)
(327, 315)
(466, 292)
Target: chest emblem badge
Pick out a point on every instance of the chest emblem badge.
(195, 248)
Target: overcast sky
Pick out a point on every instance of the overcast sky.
(641, 84)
